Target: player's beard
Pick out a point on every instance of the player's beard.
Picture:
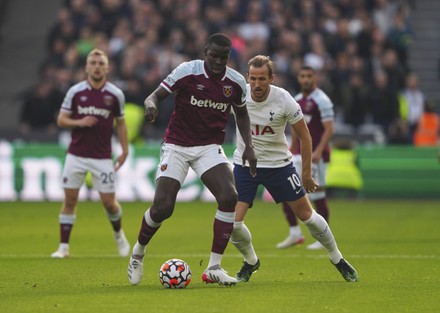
(307, 88)
(98, 79)
(260, 95)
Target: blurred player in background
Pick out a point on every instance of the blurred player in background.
(205, 91)
(89, 110)
(318, 114)
(270, 109)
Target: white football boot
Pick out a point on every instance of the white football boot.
(135, 269)
(290, 241)
(62, 252)
(219, 276)
(315, 246)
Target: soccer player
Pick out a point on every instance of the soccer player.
(205, 91)
(89, 110)
(318, 114)
(270, 109)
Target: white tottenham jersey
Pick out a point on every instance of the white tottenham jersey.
(268, 123)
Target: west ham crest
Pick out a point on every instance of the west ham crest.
(108, 100)
(227, 91)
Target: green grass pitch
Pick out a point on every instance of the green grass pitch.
(394, 245)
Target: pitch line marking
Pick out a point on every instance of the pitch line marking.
(198, 255)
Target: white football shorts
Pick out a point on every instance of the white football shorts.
(76, 168)
(175, 160)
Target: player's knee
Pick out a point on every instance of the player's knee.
(110, 205)
(227, 200)
(69, 205)
(160, 212)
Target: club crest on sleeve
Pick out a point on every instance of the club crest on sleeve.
(227, 91)
(163, 167)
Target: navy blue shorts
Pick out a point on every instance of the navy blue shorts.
(283, 183)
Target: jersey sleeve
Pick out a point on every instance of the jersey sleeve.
(66, 106)
(170, 83)
(121, 99)
(243, 94)
(293, 110)
(119, 110)
(325, 106)
(240, 100)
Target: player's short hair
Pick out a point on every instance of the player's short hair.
(307, 68)
(260, 61)
(218, 39)
(99, 52)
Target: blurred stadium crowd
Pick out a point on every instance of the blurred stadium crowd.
(359, 47)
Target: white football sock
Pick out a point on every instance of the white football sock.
(320, 230)
(63, 247)
(67, 218)
(215, 260)
(241, 238)
(138, 249)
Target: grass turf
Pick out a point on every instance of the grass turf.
(394, 245)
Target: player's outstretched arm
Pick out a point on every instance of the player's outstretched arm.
(243, 124)
(152, 102)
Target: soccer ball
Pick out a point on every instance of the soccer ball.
(175, 273)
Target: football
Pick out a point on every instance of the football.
(175, 274)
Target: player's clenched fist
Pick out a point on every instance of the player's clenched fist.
(150, 113)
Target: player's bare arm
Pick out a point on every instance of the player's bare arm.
(293, 140)
(152, 102)
(64, 120)
(305, 139)
(243, 124)
(325, 138)
(121, 128)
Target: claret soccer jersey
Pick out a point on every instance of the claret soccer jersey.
(202, 103)
(105, 104)
(317, 108)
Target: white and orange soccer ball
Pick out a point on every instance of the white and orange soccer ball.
(175, 274)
